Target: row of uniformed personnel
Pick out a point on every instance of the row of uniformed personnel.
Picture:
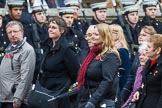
(99, 16)
(36, 29)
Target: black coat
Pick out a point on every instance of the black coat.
(59, 66)
(151, 96)
(77, 40)
(78, 24)
(100, 79)
(154, 22)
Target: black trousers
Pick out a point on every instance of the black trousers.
(10, 105)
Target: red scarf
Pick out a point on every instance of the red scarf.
(152, 62)
(83, 69)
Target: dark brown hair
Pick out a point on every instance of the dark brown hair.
(60, 22)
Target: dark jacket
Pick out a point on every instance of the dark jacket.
(78, 24)
(151, 96)
(100, 79)
(124, 68)
(128, 87)
(4, 41)
(152, 22)
(43, 35)
(134, 31)
(59, 66)
(88, 23)
(77, 40)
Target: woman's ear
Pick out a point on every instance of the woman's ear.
(158, 50)
(62, 31)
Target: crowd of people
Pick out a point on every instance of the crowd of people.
(107, 64)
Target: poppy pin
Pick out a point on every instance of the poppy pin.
(9, 55)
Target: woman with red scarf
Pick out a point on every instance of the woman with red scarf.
(150, 94)
(99, 69)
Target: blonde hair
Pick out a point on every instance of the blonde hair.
(149, 30)
(108, 42)
(117, 28)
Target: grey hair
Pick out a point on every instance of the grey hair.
(143, 46)
(12, 23)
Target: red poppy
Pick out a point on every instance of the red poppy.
(9, 55)
(97, 57)
(155, 72)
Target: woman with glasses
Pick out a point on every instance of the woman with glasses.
(98, 71)
(145, 32)
(60, 64)
(149, 95)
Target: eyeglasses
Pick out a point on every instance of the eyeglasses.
(143, 35)
(90, 34)
(114, 32)
(14, 31)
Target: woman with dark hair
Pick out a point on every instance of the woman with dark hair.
(99, 69)
(60, 64)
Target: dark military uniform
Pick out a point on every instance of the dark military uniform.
(134, 31)
(152, 22)
(88, 23)
(43, 34)
(43, 41)
(147, 20)
(76, 39)
(95, 7)
(4, 41)
(78, 24)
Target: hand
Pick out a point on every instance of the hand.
(136, 96)
(16, 105)
(89, 105)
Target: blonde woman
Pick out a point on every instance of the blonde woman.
(97, 73)
(121, 44)
(118, 35)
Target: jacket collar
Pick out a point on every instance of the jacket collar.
(16, 48)
(57, 45)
